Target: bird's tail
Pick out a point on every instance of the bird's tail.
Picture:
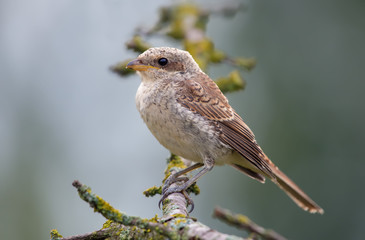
(294, 192)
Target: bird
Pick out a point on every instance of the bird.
(188, 114)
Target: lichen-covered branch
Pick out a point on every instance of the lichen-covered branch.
(104, 208)
(175, 223)
(243, 222)
(231, 83)
(96, 235)
(187, 23)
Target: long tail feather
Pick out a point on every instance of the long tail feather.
(295, 193)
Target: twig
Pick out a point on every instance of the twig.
(113, 214)
(243, 222)
(97, 235)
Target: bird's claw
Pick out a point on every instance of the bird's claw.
(172, 179)
(167, 190)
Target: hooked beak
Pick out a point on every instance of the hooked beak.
(138, 65)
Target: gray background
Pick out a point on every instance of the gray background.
(64, 116)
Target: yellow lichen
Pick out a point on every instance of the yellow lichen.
(55, 234)
(107, 224)
(246, 63)
(174, 161)
(105, 207)
(232, 82)
(152, 191)
(194, 189)
(180, 221)
(154, 219)
(120, 68)
(179, 215)
(179, 24)
(138, 44)
(242, 219)
(201, 51)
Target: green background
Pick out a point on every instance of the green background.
(64, 116)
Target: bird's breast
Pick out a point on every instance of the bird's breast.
(183, 132)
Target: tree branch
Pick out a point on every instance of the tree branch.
(96, 235)
(175, 223)
(242, 222)
(105, 209)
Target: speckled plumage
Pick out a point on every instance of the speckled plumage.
(177, 128)
(188, 114)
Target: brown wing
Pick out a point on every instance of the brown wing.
(239, 136)
(202, 95)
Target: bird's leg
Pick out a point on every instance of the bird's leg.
(167, 190)
(176, 176)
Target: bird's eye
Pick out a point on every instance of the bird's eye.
(162, 61)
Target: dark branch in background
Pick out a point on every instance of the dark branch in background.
(242, 222)
(184, 23)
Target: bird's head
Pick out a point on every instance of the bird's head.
(162, 62)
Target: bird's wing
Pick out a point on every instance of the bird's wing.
(201, 95)
(239, 136)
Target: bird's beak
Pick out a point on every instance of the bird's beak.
(138, 65)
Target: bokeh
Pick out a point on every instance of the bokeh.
(65, 116)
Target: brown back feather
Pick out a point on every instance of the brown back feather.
(202, 95)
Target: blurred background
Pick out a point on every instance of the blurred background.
(65, 116)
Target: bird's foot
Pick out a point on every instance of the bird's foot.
(172, 179)
(167, 189)
(178, 189)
